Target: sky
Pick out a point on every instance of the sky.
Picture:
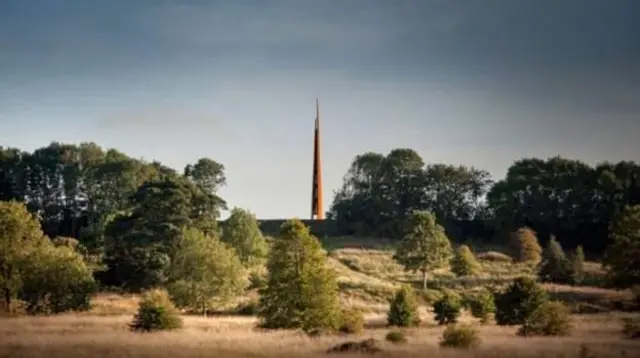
(478, 83)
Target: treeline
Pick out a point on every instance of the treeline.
(569, 199)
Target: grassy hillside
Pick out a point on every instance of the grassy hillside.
(368, 276)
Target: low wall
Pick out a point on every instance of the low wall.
(319, 228)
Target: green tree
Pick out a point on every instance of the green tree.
(447, 309)
(403, 308)
(424, 246)
(577, 266)
(20, 235)
(301, 291)
(207, 174)
(482, 305)
(554, 267)
(56, 280)
(517, 303)
(140, 243)
(204, 272)
(464, 263)
(242, 232)
(622, 257)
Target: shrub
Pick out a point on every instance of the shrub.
(352, 321)
(576, 263)
(396, 337)
(494, 256)
(368, 346)
(554, 267)
(482, 305)
(464, 263)
(631, 327)
(460, 336)
(403, 309)
(447, 309)
(257, 279)
(527, 247)
(521, 298)
(549, 319)
(156, 312)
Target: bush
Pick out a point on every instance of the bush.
(403, 309)
(554, 267)
(460, 336)
(352, 321)
(447, 309)
(527, 247)
(156, 312)
(482, 305)
(549, 319)
(517, 303)
(631, 327)
(257, 279)
(464, 263)
(396, 337)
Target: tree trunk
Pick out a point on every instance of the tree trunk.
(204, 309)
(424, 279)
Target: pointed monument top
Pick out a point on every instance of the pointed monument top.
(317, 114)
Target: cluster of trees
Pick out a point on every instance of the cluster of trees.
(425, 247)
(567, 198)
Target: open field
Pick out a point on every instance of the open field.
(91, 336)
(368, 276)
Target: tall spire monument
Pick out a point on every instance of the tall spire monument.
(316, 192)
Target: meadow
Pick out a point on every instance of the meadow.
(368, 276)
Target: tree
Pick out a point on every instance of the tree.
(140, 243)
(424, 246)
(464, 263)
(526, 243)
(554, 267)
(622, 257)
(447, 309)
(301, 291)
(20, 235)
(403, 309)
(242, 232)
(204, 272)
(577, 266)
(518, 302)
(207, 174)
(56, 279)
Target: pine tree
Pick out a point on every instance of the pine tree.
(622, 256)
(301, 290)
(403, 309)
(554, 267)
(577, 266)
(464, 263)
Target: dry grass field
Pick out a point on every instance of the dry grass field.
(85, 336)
(367, 277)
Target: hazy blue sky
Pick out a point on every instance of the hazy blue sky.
(472, 82)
